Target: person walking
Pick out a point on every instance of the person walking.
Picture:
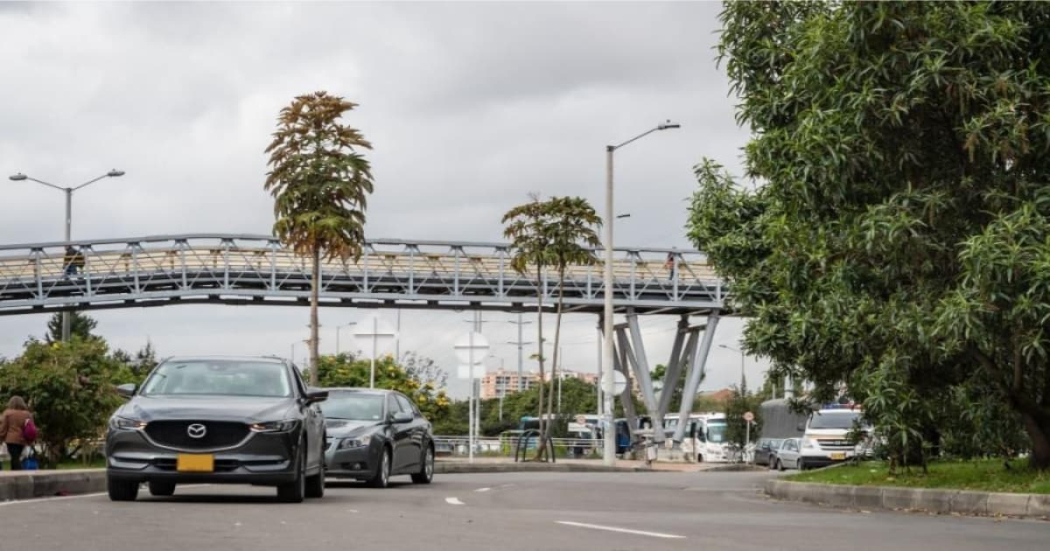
(70, 260)
(670, 265)
(12, 429)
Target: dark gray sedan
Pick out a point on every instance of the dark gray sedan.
(376, 434)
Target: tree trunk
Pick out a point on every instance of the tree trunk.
(557, 352)
(539, 339)
(1039, 434)
(315, 291)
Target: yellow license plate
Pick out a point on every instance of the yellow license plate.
(195, 463)
(838, 456)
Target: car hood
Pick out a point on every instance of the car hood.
(341, 428)
(222, 408)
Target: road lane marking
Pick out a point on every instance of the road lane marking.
(621, 530)
(453, 501)
(78, 496)
(482, 489)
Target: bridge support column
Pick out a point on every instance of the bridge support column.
(695, 376)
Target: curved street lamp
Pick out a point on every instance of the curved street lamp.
(609, 444)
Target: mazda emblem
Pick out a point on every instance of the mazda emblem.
(196, 430)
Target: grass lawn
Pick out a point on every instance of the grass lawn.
(984, 475)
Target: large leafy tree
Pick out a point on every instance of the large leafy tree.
(80, 325)
(320, 183)
(69, 387)
(899, 241)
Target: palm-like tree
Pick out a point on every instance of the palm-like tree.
(525, 227)
(572, 225)
(320, 184)
(560, 233)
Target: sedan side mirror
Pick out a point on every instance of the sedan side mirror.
(401, 417)
(126, 390)
(313, 396)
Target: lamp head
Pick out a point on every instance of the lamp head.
(19, 177)
(668, 125)
(115, 173)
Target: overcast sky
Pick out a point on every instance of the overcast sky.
(469, 106)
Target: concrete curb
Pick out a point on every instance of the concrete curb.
(959, 502)
(34, 484)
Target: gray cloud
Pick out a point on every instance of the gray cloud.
(470, 107)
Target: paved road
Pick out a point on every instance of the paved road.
(526, 511)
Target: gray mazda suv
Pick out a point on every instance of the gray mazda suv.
(225, 420)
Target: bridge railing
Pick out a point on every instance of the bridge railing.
(167, 264)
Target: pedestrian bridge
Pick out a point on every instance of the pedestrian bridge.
(396, 273)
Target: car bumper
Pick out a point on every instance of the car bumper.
(263, 458)
(352, 462)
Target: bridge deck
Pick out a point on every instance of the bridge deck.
(238, 269)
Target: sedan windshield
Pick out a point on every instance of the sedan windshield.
(354, 406)
(219, 378)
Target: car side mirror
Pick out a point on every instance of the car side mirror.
(126, 390)
(401, 417)
(314, 396)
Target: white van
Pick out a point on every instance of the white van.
(826, 437)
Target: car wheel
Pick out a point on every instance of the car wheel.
(426, 473)
(161, 489)
(293, 492)
(382, 476)
(122, 490)
(801, 464)
(315, 483)
(780, 466)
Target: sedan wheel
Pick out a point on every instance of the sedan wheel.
(382, 476)
(780, 465)
(426, 473)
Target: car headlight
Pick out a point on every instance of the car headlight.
(358, 442)
(810, 444)
(274, 426)
(125, 423)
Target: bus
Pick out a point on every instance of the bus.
(704, 437)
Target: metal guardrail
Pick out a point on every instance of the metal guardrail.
(254, 269)
(508, 446)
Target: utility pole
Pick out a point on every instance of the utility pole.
(521, 354)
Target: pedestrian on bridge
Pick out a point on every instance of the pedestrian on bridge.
(670, 264)
(72, 260)
(13, 429)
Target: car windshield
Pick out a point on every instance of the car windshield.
(716, 433)
(219, 378)
(354, 406)
(837, 420)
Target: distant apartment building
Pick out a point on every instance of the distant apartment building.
(502, 382)
(589, 378)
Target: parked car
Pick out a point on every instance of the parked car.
(240, 420)
(788, 455)
(766, 449)
(376, 434)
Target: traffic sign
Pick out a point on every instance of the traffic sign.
(749, 417)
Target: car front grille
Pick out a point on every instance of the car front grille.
(175, 434)
(835, 445)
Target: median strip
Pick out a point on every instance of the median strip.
(453, 501)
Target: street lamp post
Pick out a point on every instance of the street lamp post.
(609, 455)
(743, 381)
(69, 217)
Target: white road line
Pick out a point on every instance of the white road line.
(482, 489)
(453, 501)
(621, 530)
(79, 496)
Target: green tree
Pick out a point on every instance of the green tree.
(900, 237)
(560, 232)
(80, 325)
(740, 402)
(69, 388)
(320, 184)
(525, 227)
